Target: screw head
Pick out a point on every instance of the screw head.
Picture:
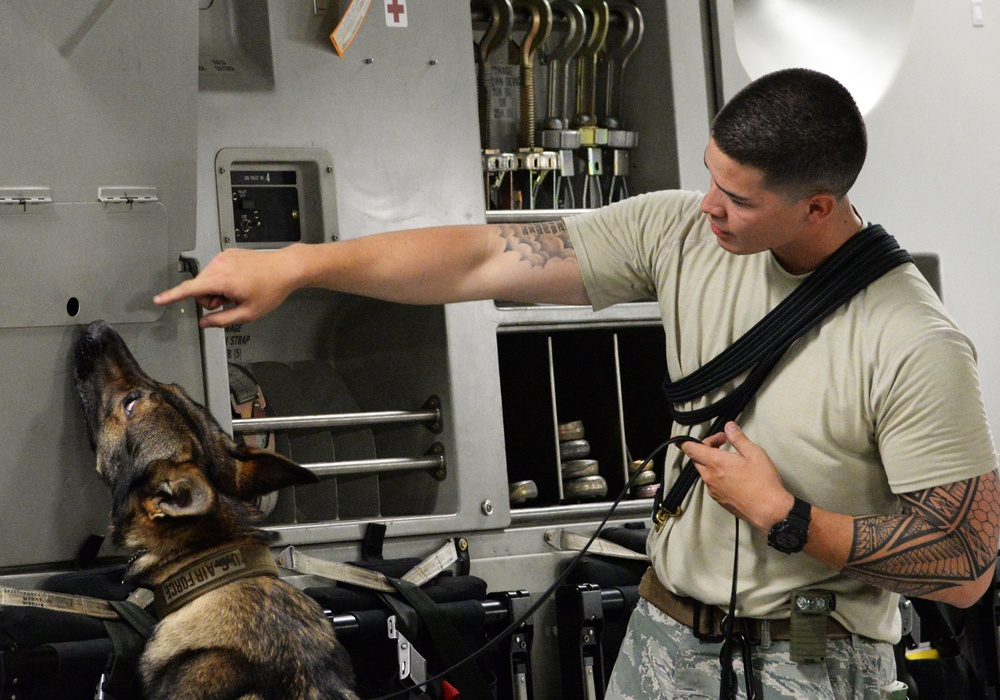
(487, 507)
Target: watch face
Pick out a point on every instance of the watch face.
(787, 539)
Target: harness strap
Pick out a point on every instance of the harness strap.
(128, 637)
(861, 260)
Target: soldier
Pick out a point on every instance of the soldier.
(863, 469)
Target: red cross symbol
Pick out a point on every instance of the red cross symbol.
(396, 9)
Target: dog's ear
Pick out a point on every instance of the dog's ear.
(176, 491)
(256, 472)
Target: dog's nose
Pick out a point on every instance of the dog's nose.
(97, 328)
(88, 346)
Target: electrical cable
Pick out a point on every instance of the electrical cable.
(514, 626)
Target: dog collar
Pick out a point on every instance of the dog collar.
(210, 572)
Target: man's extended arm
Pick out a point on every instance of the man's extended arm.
(517, 262)
(942, 546)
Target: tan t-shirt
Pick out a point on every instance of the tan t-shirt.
(882, 398)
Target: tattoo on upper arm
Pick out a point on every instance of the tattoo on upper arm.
(538, 243)
(944, 537)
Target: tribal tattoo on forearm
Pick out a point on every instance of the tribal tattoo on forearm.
(538, 243)
(946, 536)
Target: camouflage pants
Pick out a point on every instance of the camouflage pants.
(660, 658)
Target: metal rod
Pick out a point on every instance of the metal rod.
(332, 420)
(495, 612)
(363, 466)
(640, 507)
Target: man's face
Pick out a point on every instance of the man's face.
(745, 216)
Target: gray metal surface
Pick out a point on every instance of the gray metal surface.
(97, 94)
(397, 115)
(73, 250)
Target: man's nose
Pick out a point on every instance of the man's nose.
(711, 203)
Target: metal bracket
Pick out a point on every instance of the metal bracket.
(439, 472)
(412, 665)
(124, 199)
(434, 403)
(23, 200)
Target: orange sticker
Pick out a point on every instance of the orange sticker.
(349, 25)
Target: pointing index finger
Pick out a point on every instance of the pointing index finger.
(173, 294)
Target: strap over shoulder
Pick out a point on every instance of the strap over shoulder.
(861, 260)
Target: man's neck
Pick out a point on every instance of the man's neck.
(838, 228)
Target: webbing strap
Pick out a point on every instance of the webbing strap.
(569, 541)
(469, 677)
(427, 569)
(861, 260)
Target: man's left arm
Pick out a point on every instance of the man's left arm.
(942, 546)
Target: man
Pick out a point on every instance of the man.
(877, 446)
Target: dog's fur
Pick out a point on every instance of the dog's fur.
(180, 487)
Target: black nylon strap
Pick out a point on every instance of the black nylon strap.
(468, 677)
(861, 260)
(128, 637)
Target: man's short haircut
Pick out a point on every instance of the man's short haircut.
(801, 128)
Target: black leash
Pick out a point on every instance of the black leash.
(514, 626)
(861, 260)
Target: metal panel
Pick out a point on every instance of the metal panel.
(73, 250)
(397, 114)
(96, 94)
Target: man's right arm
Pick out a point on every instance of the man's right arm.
(531, 263)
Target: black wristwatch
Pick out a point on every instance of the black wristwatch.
(789, 535)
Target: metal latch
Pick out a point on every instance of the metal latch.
(125, 198)
(412, 665)
(20, 200)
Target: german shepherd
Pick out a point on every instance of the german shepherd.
(182, 507)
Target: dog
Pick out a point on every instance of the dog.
(182, 508)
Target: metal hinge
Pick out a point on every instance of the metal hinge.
(21, 200)
(125, 198)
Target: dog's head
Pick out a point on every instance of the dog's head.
(156, 447)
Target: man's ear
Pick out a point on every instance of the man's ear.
(177, 491)
(256, 472)
(821, 206)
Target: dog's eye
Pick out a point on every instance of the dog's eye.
(128, 404)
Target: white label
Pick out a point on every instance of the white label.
(395, 13)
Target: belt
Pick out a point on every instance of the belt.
(706, 620)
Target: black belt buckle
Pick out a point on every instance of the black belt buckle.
(711, 619)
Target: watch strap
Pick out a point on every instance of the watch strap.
(800, 514)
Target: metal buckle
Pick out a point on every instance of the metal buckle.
(660, 518)
(710, 620)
